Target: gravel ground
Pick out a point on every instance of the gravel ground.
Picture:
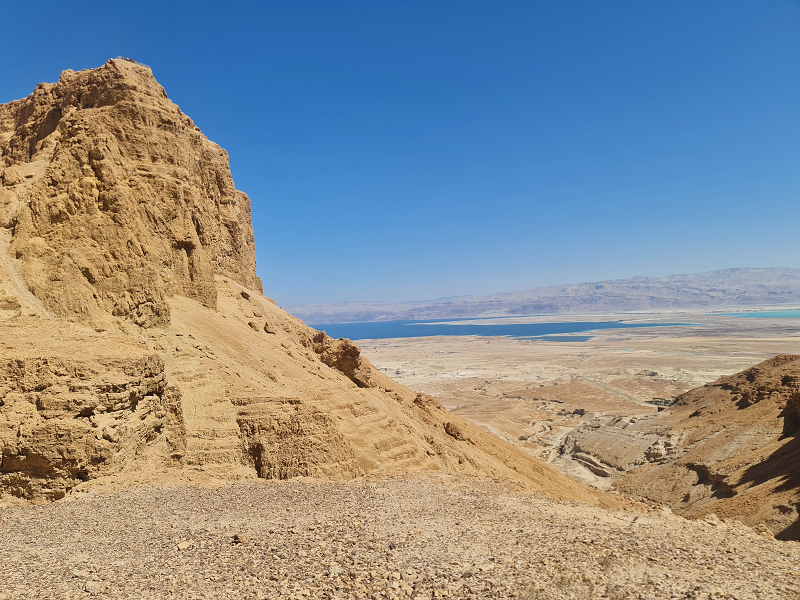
(419, 538)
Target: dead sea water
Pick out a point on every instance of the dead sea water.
(545, 331)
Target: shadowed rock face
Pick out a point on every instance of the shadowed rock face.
(115, 200)
(134, 335)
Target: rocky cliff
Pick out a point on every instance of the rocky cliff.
(116, 201)
(134, 336)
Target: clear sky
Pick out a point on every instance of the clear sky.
(399, 150)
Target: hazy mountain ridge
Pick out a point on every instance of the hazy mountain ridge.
(732, 288)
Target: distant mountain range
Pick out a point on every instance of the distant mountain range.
(714, 289)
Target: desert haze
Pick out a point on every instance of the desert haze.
(728, 288)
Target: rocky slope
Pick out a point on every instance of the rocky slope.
(134, 335)
(724, 288)
(426, 537)
(731, 448)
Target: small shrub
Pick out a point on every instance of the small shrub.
(616, 593)
(563, 582)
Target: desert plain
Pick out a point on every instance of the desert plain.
(532, 393)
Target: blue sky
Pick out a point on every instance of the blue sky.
(410, 150)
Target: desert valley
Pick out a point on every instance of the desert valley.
(167, 431)
(591, 408)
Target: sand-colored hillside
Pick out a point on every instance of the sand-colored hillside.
(732, 448)
(728, 448)
(581, 407)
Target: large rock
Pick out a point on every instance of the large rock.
(67, 418)
(115, 200)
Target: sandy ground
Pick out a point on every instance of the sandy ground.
(431, 537)
(532, 392)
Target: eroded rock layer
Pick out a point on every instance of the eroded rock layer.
(71, 417)
(115, 200)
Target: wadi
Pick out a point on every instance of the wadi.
(167, 431)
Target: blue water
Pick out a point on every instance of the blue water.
(379, 330)
(768, 314)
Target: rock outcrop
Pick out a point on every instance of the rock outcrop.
(731, 448)
(134, 335)
(116, 201)
(78, 404)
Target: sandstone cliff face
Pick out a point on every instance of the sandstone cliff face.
(134, 335)
(731, 447)
(115, 200)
